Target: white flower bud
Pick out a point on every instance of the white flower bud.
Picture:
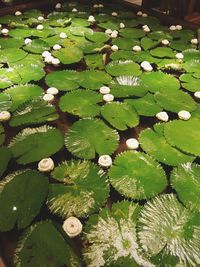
(108, 98)
(5, 116)
(46, 165)
(104, 90)
(162, 116)
(105, 161)
(48, 98)
(72, 226)
(184, 115)
(132, 143)
(52, 91)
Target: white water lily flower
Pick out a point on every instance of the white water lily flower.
(146, 29)
(172, 28)
(48, 98)
(40, 18)
(179, 56)
(114, 48)
(184, 115)
(5, 116)
(122, 25)
(128, 80)
(137, 48)
(114, 34)
(49, 59)
(162, 116)
(139, 13)
(57, 47)
(108, 31)
(105, 161)
(194, 41)
(46, 165)
(146, 66)
(52, 91)
(40, 27)
(74, 10)
(72, 226)
(101, 6)
(95, 5)
(179, 27)
(108, 98)
(165, 42)
(104, 90)
(144, 15)
(5, 31)
(114, 14)
(63, 35)
(18, 13)
(91, 19)
(58, 6)
(197, 94)
(27, 41)
(46, 54)
(55, 61)
(132, 143)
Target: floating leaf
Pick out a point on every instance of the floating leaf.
(80, 30)
(120, 115)
(19, 203)
(65, 80)
(5, 102)
(5, 156)
(89, 137)
(122, 55)
(156, 146)
(163, 52)
(159, 81)
(148, 43)
(2, 135)
(175, 101)
(37, 248)
(184, 135)
(191, 54)
(34, 144)
(125, 43)
(94, 61)
(192, 66)
(112, 238)
(10, 55)
(97, 37)
(119, 68)
(37, 46)
(132, 33)
(33, 112)
(69, 55)
(82, 189)
(168, 230)
(8, 77)
(137, 175)
(81, 103)
(145, 106)
(22, 93)
(11, 43)
(189, 82)
(159, 35)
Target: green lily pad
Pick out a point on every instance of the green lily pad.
(8, 77)
(156, 146)
(184, 135)
(147, 43)
(81, 103)
(167, 229)
(19, 203)
(2, 134)
(32, 144)
(180, 45)
(125, 43)
(120, 115)
(137, 175)
(10, 55)
(5, 156)
(191, 54)
(163, 52)
(65, 80)
(93, 79)
(33, 112)
(159, 35)
(37, 248)
(189, 82)
(192, 66)
(89, 137)
(22, 93)
(145, 106)
(97, 37)
(132, 33)
(159, 82)
(69, 55)
(175, 101)
(82, 189)
(11, 43)
(119, 68)
(80, 31)
(119, 224)
(37, 46)
(95, 61)
(122, 55)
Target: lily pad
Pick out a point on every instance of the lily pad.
(137, 175)
(11, 43)
(119, 68)
(184, 135)
(32, 144)
(5, 102)
(37, 248)
(89, 137)
(10, 55)
(147, 43)
(97, 37)
(132, 33)
(37, 46)
(189, 82)
(81, 103)
(5, 156)
(8, 77)
(69, 55)
(125, 43)
(80, 30)
(19, 203)
(120, 115)
(95, 61)
(163, 52)
(192, 66)
(82, 189)
(2, 134)
(167, 229)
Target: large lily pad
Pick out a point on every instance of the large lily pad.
(37, 46)
(19, 203)
(137, 175)
(34, 144)
(82, 189)
(89, 137)
(120, 115)
(82, 103)
(69, 55)
(9, 77)
(163, 52)
(10, 55)
(132, 33)
(97, 37)
(189, 82)
(119, 68)
(5, 156)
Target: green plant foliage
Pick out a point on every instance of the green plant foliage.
(10, 55)
(82, 189)
(185, 179)
(43, 245)
(192, 66)
(185, 34)
(8, 77)
(37, 46)
(80, 31)
(5, 102)
(112, 238)
(95, 61)
(155, 144)
(132, 33)
(82, 103)
(22, 93)
(2, 134)
(89, 137)
(145, 106)
(191, 54)
(113, 25)
(5, 156)
(19, 203)
(65, 80)
(125, 43)
(93, 79)
(137, 175)
(122, 55)
(33, 112)
(159, 35)
(147, 43)
(32, 144)
(69, 55)
(160, 81)
(184, 135)
(145, 56)
(175, 101)
(119, 68)
(189, 82)
(97, 37)
(180, 45)
(120, 115)
(126, 86)
(168, 230)
(11, 43)
(163, 52)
